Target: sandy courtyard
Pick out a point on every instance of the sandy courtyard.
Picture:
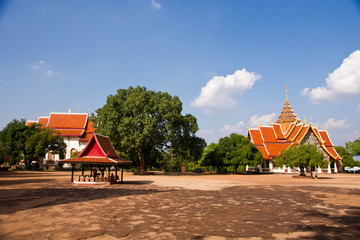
(46, 205)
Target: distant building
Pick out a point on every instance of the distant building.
(288, 131)
(74, 128)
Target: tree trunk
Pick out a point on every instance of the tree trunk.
(143, 163)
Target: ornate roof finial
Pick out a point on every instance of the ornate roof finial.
(286, 93)
(69, 110)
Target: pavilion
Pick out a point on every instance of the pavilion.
(99, 154)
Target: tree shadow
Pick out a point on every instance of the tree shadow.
(13, 200)
(23, 181)
(333, 227)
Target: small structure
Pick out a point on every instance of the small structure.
(99, 154)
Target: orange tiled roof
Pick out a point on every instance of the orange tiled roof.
(264, 152)
(68, 124)
(268, 134)
(256, 137)
(275, 149)
(67, 120)
(278, 132)
(271, 145)
(70, 132)
(43, 121)
(30, 122)
(88, 132)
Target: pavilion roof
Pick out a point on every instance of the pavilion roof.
(98, 150)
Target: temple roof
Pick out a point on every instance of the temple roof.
(67, 124)
(270, 141)
(288, 131)
(287, 115)
(98, 150)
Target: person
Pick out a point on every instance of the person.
(112, 178)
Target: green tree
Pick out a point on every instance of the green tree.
(139, 120)
(303, 156)
(23, 142)
(236, 151)
(211, 157)
(347, 159)
(14, 135)
(42, 141)
(353, 147)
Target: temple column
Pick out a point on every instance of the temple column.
(319, 169)
(329, 168)
(271, 166)
(289, 169)
(335, 167)
(247, 167)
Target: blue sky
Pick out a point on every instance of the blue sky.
(228, 61)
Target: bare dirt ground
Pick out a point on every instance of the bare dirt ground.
(46, 205)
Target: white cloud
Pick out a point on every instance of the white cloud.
(237, 128)
(214, 135)
(43, 67)
(39, 65)
(155, 5)
(49, 72)
(342, 82)
(262, 120)
(218, 94)
(332, 123)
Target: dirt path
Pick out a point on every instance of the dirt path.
(47, 206)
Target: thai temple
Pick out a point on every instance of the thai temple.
(288, 130)
(74, 128)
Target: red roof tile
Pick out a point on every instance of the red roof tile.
(67, 120)
(264, 153)
(278, 132)
(325, 137)
(43, 121)
(274, 149)
(268, 134)
(70, 132)
(256, 137)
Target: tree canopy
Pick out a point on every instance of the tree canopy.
(303, 156)
(19, 141)
(235, 151)
(354, 147)
(136, 119)
(347, 159)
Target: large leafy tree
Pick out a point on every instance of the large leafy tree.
(234, 151)
(354, 147)
(140, 120)
(14, 137)
(347, 159)
(237, 150)
(22, 142)
(303, 156)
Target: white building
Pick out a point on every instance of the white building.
(74, 128)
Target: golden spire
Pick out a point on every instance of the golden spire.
(287, 115)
